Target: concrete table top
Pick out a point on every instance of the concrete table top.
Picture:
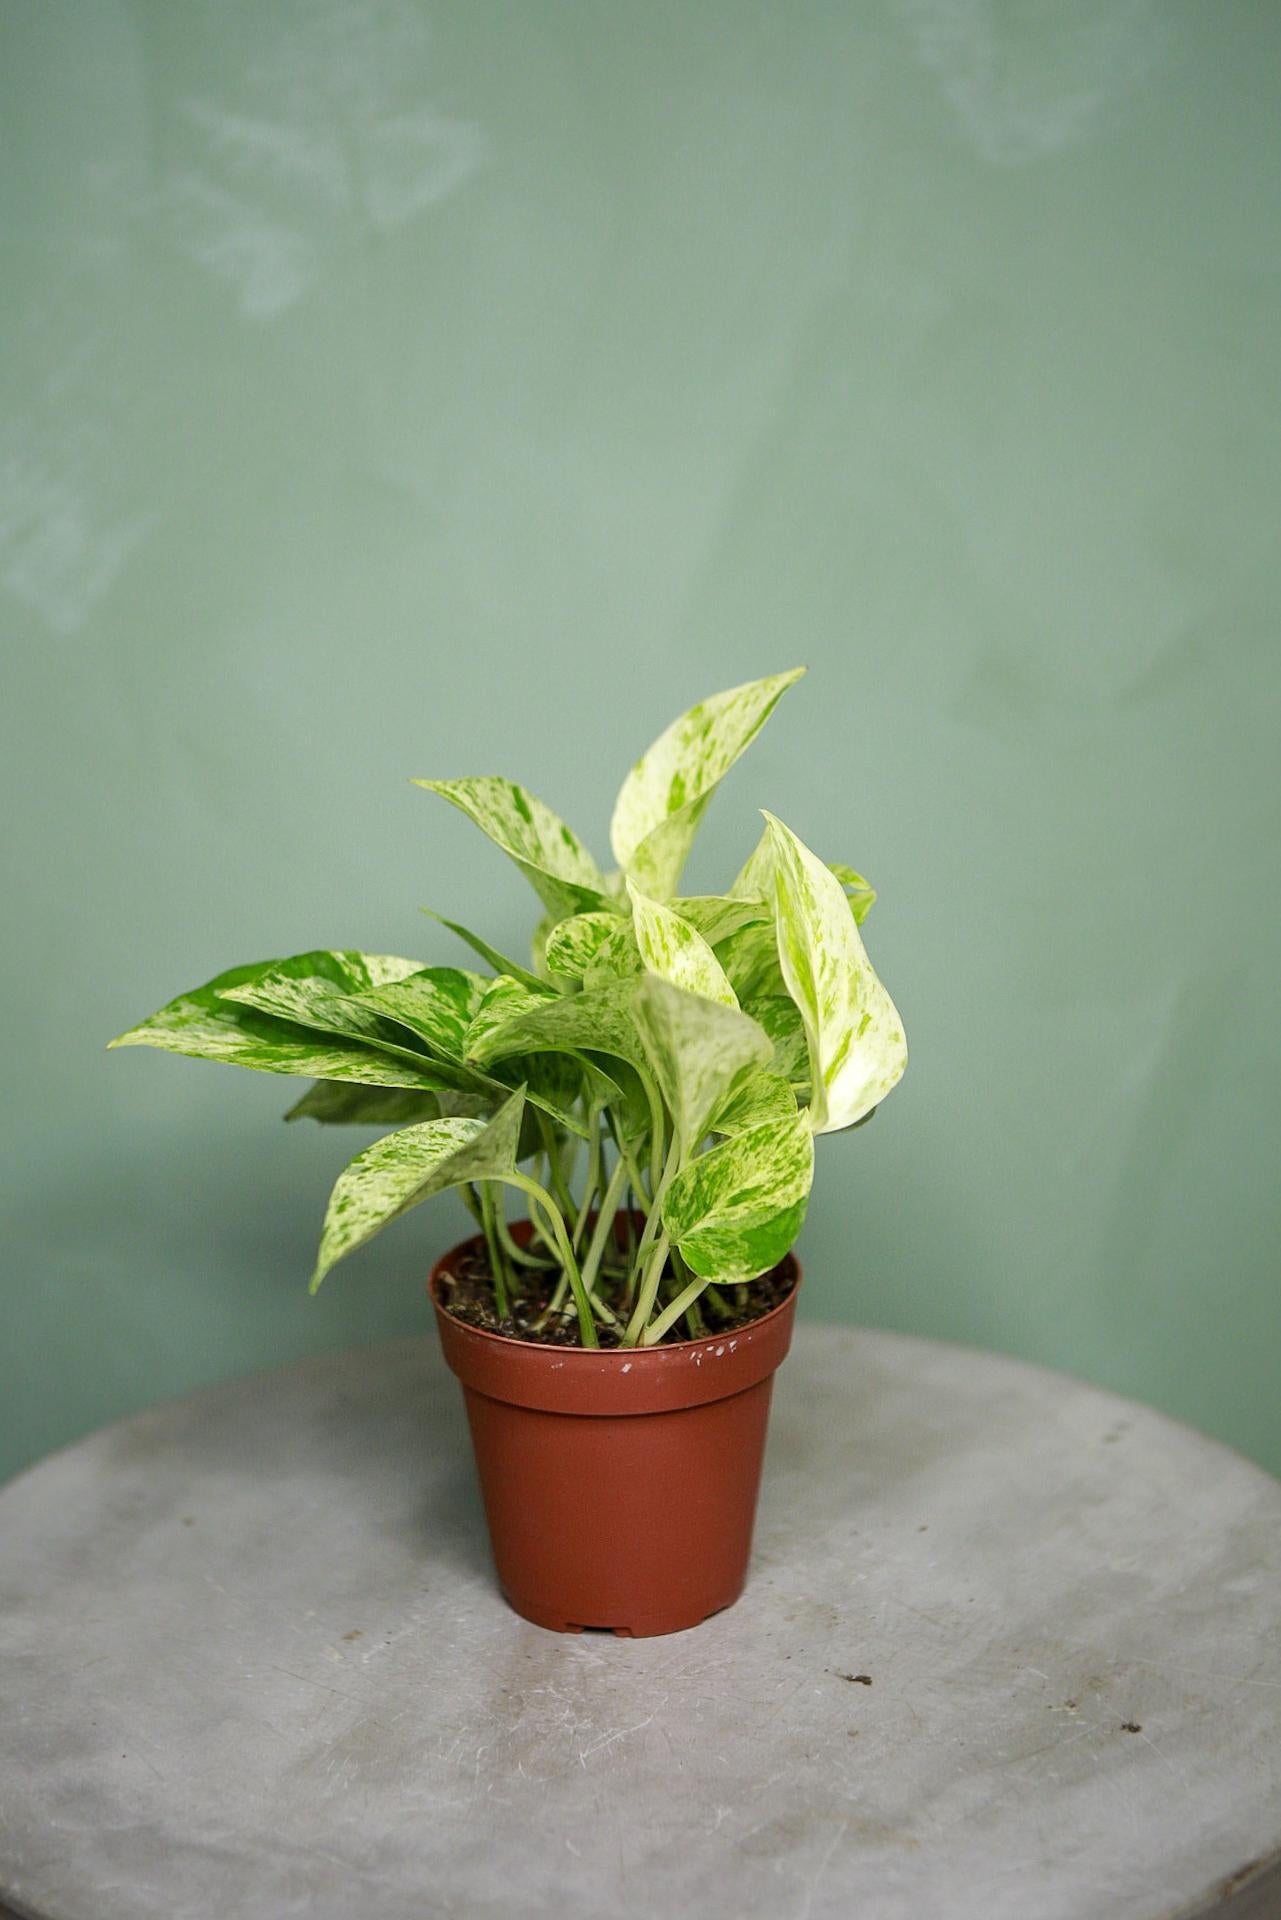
(1010, 1649)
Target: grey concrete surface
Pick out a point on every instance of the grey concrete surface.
(1010, 1649)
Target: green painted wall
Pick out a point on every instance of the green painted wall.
(391, 389)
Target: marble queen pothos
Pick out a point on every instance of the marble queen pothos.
(684, 1048)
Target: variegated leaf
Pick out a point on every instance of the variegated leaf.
(503, 1001)
(601, 1021)
(759, 1097)
(676, 951)
(591, 948)
(699, 1051)
(734, 1211)
(780, 1016)
(438, 1004)
(404, 1168)
(498, 961)
(666, 793)
(716, 916)
(321, 990)
(857, 1049)
(549, 854)
(336, 1104)
(756, 880)
(208, 1026)
(750, 959)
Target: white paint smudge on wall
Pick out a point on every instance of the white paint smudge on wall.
(329, 130)
(1029, 78)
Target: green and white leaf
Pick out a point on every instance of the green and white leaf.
(337, 1104)
(734, 1211)
(590, 948)
(549, 853)
(698, 1050)
(855, 1036)
(599, 1021)
(676, 951)
(498, 961)
(404, 1168)
(503, 1001)
(750, 960)
(665, 795)
(759, 1097)
(780, 1016)
(322, 990)
(437, 1004)
(206, 1025)
(716, 915)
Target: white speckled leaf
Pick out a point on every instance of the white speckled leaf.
(735, 1210)
(404, 1168)
(676, 951)
(780, 1016)
(549, 854)
(335, 1104)
(590, 948)
(716, 916)
(750, 959)
(756, 880)
(857, 1049)
(436, 1003)
(759, 1097)
(206, 1025)
(600, 1021)
(666, 793)
(321, 989)
(699, 1051)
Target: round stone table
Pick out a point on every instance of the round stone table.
(1009, 1650)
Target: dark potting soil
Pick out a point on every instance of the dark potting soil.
(468, 1294)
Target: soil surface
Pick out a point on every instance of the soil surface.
(468, 1294)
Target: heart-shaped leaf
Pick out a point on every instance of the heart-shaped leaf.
(335, 1104)
(549, 854)
(856, 1044)
(666, 793)
(591, 948)
(735, 1210)
(402, 1169)
(759, 1097)
(438, 1004)
(676, 951)
(698, 1050)
(323, 990)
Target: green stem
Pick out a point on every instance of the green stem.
(592, 1180)
(498, 1266)
(556, 1224)
(521, 1255)
(604, 1224)
(653, 1273)
(683, 1302)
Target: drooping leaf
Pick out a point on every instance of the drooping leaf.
(338, 1104)
(323, 990)
(208, 1026)
(780, 1016)
(676, 951)
(760, 1096)
(498, 961)
(857, 1049)
(591, 948)
(438, 1004)
(503, 1001)
(699, 1051)
(666, 793)
(549, 854)
(734, 1211)
(402, 1169)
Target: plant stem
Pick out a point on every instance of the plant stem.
(604, 1224)
(683, 1302)
(521, 1255)
(497, 1264)
(592, 1180)
(653, 1273)
(556, 1223)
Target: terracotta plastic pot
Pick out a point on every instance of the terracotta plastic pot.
(620, 1486)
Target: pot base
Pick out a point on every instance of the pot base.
(644, 1627)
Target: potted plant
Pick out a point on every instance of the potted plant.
(649, 1087)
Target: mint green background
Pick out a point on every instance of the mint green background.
(391, 389)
